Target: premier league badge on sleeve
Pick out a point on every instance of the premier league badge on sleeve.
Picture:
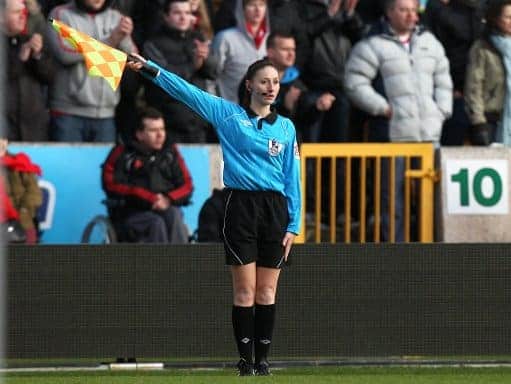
(296, 151)
(274, 147)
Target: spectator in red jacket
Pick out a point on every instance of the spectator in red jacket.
(21, 195)
(147, 181)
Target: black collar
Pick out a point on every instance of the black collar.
(269, 118)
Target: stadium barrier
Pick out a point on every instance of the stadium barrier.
(334, 301)
(342, 189)
(351, 174)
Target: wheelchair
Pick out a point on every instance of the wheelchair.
(102, 230)
(99, 231)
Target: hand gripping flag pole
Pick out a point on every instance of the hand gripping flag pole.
(100, 59)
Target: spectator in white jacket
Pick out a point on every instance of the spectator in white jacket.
(399, 74)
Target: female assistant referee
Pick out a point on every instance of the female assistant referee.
(262, 214)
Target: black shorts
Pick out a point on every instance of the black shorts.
(255, 223)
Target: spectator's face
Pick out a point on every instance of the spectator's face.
(403, 16)
(255, 11)
(96, 5)
(283, 54)
(14, 18)
(179, 16)
(265, 86)
(153, 135)
(504, 20)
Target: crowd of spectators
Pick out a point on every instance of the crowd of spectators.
(351, 70)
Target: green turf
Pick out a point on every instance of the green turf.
(319, 375)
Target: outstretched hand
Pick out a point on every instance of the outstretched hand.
(135, 62)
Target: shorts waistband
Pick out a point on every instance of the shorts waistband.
(257, 192)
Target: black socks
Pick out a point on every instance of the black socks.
(243, 325)
(264, 322)
(253, 329)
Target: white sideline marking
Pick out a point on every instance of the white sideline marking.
(54, 369)
(160, 366)
(102, 367)
(135, 366)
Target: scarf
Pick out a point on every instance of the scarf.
(503, 45)
(258, 35)
(20, 163)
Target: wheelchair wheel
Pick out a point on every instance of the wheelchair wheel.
(99, 231)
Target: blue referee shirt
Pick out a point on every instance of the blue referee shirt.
(260, 154)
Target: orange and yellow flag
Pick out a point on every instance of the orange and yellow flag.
(100, 59)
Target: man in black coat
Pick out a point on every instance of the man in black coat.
(29, 68)
(456, 23)
(186, 53)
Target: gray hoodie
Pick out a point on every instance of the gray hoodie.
(74, 92)
(236, 50)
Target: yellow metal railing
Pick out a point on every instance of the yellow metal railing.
(367, 158)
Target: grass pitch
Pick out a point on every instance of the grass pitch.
(319, 375)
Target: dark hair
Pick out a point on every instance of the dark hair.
(493, 11)
(387, 4)
(147, 113)
(168, 3)
(80, 4)
(252, 70)
(270, 41)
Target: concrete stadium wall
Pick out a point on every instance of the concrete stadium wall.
(475, 199)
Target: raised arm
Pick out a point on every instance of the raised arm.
(211, 108)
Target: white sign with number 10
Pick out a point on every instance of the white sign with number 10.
(477, 187)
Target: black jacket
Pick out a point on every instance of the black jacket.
(457, 25)
(25, 101)
(211, 218)
(173, 50)
(132, 177)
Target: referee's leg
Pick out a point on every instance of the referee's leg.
(244, 287)
(264, 319)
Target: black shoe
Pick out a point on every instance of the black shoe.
(245, 368)
(262, 369)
